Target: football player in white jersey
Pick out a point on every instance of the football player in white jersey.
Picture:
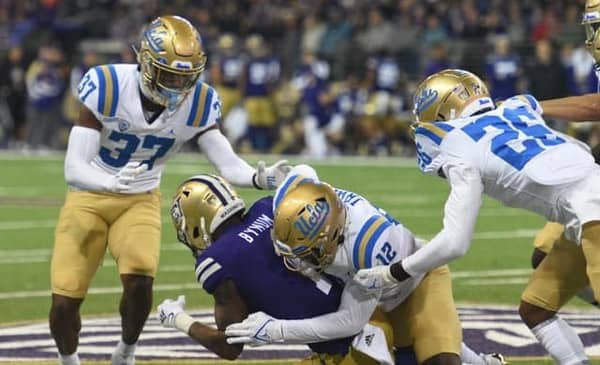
(133, 118)
(510, 154)
(338, 232)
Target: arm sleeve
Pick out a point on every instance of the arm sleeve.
(219, 152)
(84, 144)
(460, 215)
(352, 315)
(297, 175)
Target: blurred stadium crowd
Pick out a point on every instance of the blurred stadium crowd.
(318, 77)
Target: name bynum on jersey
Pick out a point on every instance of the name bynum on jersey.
(112, 94)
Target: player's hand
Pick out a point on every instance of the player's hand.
(375, 279)
(169, 309)
(270, 177)
(119, 183)
(256, 330)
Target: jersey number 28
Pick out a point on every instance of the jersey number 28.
(533, 138)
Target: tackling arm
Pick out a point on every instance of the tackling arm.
(460, 215)
(356, 307)
(574, 108)
(352, 315)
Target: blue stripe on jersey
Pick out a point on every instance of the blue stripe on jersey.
(207, 106)
(429, 134)
(444, 126)
(359, 238)
(532, 102)
(115, 88)
(194, 109)
(101, 89)
(371, 244)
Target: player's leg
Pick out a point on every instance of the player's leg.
(543, 243)
(590, 243)
(544, 240)
(79, 246)
(134, 242)
(555, 281)
(428, 321)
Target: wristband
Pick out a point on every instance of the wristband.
(254, 182)
(183, 322)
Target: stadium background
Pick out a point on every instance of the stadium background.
(357, 60)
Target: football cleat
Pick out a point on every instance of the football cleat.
(494, 359)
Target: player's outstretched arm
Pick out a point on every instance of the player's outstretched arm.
(574, 108)
(460, 214)
(229, 308)
(234, 169)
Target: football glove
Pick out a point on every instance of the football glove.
(171, 314)
(256, 330)
(375, 279)
(119, 183)
(270, 177)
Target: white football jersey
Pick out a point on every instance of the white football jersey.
(522, 162)
(371, 238)
(112, 93)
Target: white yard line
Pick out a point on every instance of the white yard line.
(101, 290)
(475, 277)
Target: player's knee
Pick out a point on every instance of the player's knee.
(533, 315)
(536, 257)
(443, 359)
(137, 285)
(64, 309)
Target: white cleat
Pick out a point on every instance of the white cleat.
(494, 359)
(121, 359)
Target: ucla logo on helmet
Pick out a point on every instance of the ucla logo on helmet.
(310, 224)
(183, 65)
(154, 36)
(425, 100)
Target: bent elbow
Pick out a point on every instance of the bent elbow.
(70, 175)
(457, 252)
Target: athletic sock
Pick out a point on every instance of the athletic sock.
(72, 359)
(561, 342)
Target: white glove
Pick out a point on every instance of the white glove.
(375, 279)
(171, 314)
(119, 183)
(256, 330)
(270, 177)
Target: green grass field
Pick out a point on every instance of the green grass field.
(31, 191)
